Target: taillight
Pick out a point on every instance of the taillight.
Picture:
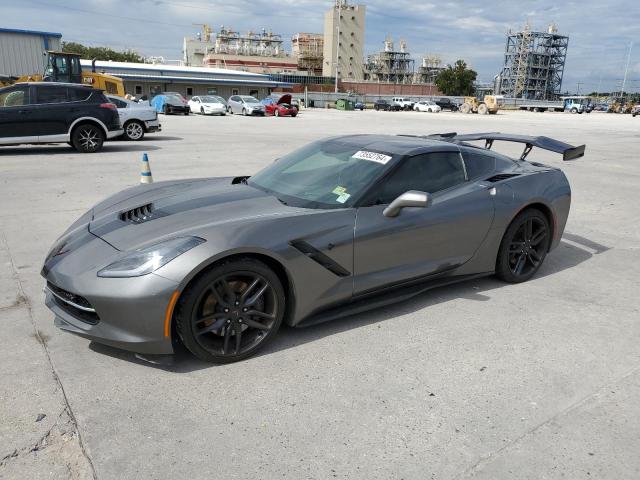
(110, 106)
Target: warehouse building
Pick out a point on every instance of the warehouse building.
(22, 52)
(150, 79)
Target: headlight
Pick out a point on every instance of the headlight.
(147, 260)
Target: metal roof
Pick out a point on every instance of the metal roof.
(30, 32)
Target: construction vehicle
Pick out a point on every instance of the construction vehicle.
(489, 104)
(65, 67)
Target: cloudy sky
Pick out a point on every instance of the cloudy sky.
(600, 31)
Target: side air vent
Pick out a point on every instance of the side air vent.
(319, 257)
(140, 214)
(501, 176)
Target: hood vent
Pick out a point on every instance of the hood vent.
(502, 176)
(140, 214)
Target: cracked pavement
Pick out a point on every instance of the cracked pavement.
(479, 380)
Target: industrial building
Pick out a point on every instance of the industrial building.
(150, 79)
(22, 52)
(390, 65)
(251, 52)
(344, 41)
(533, 64)
(308, 49)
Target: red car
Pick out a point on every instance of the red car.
(282, 107)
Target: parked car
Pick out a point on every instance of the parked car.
(136, 119)
(635, 110)
(447, 104)
(245, 104)
(404, 103)
(47, 112)
(169, 103)
(383, 105)
(426, 106)
(360, 106)
(208, 105)
(280, 108)
(339, 226)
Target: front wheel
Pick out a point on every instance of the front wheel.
(202, 110)
(523, 247)
(276, 112)
(87, 138)
(244, 112)
(134, 131)
(231, 311)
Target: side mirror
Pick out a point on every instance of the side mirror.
(412, 198)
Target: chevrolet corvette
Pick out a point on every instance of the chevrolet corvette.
(342, 225)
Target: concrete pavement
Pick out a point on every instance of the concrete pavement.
(479, 380)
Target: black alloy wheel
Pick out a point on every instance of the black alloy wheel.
(87, 138)
(524, 247)
(231, 311)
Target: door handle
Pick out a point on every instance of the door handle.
(492, 191)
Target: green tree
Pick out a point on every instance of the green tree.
(456, 80)
(101, 53)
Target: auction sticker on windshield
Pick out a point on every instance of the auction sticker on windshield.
(372, 156)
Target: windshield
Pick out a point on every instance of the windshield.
(211, 99)
(324, 174)
(249, 99)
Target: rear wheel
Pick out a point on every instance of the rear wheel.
(134, 130)
(165, 109)
(465, 108)
(231, 312)
(483, 109)
(87, 138)
(229, 111)
(524, 246)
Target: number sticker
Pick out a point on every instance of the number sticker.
(372, 157)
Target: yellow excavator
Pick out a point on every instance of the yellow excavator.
(65, 67)
(490, 104)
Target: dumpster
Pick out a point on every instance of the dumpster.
(343, 104)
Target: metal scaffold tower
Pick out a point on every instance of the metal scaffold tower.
(533, 64)
(390, 65)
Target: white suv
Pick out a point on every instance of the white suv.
(404, 103)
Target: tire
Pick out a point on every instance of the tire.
(293, 115)
(465, 108)
(201, 110)
(244, 112)
(376, 108)
(483, 109)
(87, 138)
(209, 316)
(524, 246)
(165, 109)
(133, 130)
(276, 112)
(187, 112)
(574, 110)
(229, 110)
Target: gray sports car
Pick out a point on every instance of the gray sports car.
(342, 225)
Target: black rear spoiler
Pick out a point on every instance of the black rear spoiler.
(569, 152)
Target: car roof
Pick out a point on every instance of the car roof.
(397, 144)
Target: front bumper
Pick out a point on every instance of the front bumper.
(129, 313)
(215, 110)
(152, 126)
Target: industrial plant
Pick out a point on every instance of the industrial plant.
(533, 64)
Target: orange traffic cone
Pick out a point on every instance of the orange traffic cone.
(145, 172)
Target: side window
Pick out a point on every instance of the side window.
(189, 91)
(235, 91)
(79, 94)
(196, 99)
(477, 163)
(138, 89)
(53, 94)
(429, 173)
(14, 97)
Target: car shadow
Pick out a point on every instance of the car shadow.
(66, 150)
(160, 138)
(572, 251)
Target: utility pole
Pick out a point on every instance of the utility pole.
(578, 86)
(626, 69)
(339, 4)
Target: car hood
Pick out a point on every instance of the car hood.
(286, 98)
(152, 213)
(213, 104)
